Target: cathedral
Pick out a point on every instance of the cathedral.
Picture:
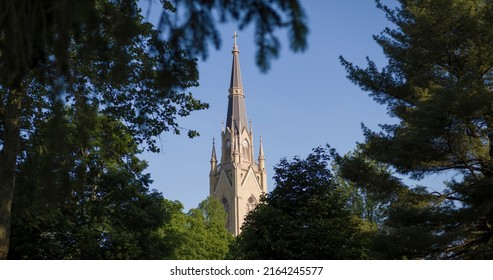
(237, 180)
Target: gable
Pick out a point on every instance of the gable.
(223, 181)
(250, 180)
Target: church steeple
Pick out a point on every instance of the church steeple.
(236, 103)
(238, 181)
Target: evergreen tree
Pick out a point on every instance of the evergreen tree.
(438, 86)
(362, 201)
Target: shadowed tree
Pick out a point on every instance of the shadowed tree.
(89, 200)
(101, 54)
(438, 86)
(306, 216)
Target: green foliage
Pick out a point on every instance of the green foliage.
(200, 234)
(365, 204)
(307, 216)
(412, 223)
(33, 31)
(83, 54)
(85, 199)
(101, 54)
(438, 85)
(197, 29)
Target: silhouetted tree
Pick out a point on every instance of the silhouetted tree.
(101, 54)
(89, 200)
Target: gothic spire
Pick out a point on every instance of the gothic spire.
(235, 71)
(236, 102)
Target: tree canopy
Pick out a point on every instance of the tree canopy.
(438, 86)
(199, 234)
(88, 199)
(102, 55)
(306, 216)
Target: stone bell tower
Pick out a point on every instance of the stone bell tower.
(238, 179)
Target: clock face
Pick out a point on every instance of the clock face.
(228, 143)
(245, 143)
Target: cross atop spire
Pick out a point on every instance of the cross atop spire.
(235, 36)
(235, 71)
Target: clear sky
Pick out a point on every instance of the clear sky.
(304, 101)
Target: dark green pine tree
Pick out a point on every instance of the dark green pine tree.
(438, 85)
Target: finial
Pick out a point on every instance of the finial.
(261, 151)
(213, 155)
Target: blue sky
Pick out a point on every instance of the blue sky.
(304, 101)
